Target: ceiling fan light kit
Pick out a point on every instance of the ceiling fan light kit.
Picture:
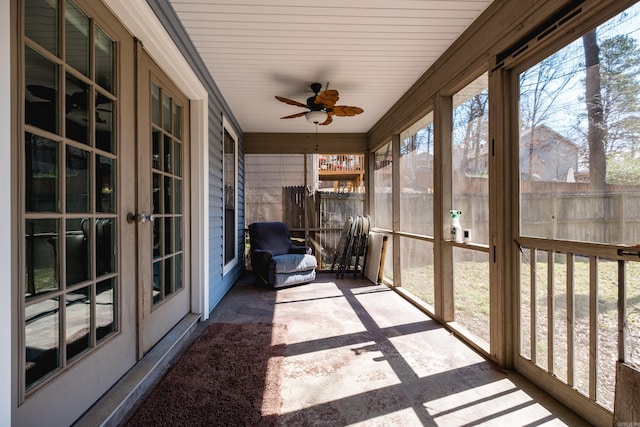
(316, 117)
(322, 106)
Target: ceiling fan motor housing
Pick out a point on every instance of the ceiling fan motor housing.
(311, 104)
(311, 101)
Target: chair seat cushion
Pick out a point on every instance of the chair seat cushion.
(291, 263)
(288, 279)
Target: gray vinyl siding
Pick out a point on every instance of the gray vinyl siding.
(219, 283)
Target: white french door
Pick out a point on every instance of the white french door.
(76, 288)
(162, 216)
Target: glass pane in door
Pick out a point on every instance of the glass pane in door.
(77, 111)
(42, 339)
(41, 174)
(105, 184)
(42, 263)
(78, 250)
(78, 177)
(78, 326)
(166, 186)
(104, 61)
(42, 90)
(41, 23)
(77, 38)
(105, 308)
(104, 123)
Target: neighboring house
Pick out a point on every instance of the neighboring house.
(472, 164)
(545, 155)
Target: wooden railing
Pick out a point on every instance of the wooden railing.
(343, 163)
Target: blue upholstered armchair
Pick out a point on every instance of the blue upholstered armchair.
(274, 257)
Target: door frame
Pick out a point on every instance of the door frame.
(140, 19)
(9, 133)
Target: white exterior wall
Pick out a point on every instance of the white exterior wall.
(265, 175)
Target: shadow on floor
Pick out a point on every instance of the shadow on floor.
(359, 354)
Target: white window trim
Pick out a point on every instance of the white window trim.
(226, 126)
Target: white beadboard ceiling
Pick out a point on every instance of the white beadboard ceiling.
(371, 51)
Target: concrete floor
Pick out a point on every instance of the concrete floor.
(359, 354)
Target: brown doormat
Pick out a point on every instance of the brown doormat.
(229, 376)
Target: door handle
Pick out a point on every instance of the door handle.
(141, 217)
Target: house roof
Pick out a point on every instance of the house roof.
(371, 52)
(544, 133)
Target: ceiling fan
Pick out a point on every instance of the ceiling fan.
(321, 106)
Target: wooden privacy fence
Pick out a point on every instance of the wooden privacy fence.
(323, 209)
(554, 210)
(326, 213)
(335, 208)
(565, 211)
(295, 201)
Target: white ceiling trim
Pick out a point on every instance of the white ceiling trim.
(140, 20)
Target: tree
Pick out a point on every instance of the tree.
(619, 68)
(623, 169)
(597, 130)
(541, 87)
(472, 116)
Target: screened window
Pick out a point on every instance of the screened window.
(416, 178)
(383, 200)
(416, 209)
(579, 138)
(579, 151)
(382, 182)
(470, 196)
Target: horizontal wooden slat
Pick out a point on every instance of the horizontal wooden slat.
(288, 143)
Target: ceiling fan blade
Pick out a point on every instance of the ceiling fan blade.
(293, 116)
(346, 110)
(291, 102)
(327, 98)
(328, 121)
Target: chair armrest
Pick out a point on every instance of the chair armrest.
(261, 257)
(300, 250)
